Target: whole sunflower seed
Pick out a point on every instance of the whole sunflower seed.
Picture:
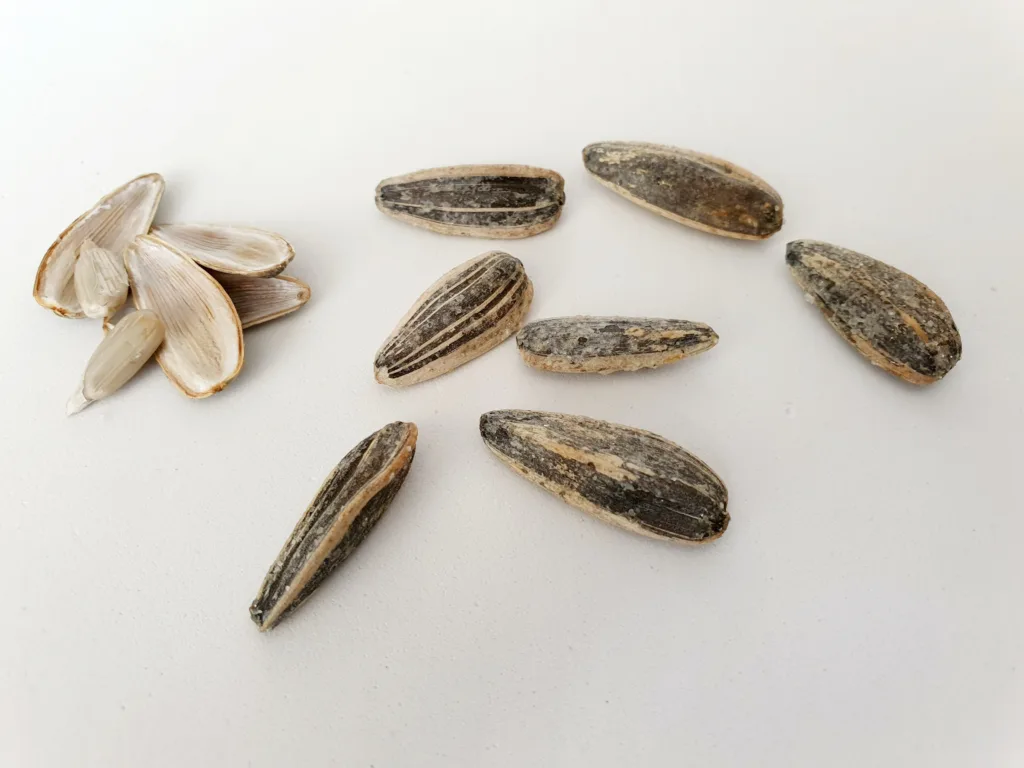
(101, 283)
(259, 299)
(122, 353)
(695, 189)
(347, 506)
(499, 201)
(467, 312)
(624, 476)
(112, 224)
(610, 344)
(891, 318)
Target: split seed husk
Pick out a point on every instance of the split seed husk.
(497, 201)
(202, 350)
(122, 353)
(891, 318)
(259, 299)
(624, 476)
(112, 223)
(101, 282)
(698, 190)
(467, 312)
(231, 250)
(349, 503)
(610, 344)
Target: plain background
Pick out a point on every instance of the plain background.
(864, 608)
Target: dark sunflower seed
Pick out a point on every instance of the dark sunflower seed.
(893, 319)
(621, 475)
(347, 506)
(698, 190)
(610, 344)
(498, 201)
(469, 311)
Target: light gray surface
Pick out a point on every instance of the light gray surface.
(863, 608)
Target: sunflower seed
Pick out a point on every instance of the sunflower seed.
(121, 354)
(499, 201)
(610, 344)
(347, 506)
(697, 190)
(231, 250)
(259, 299)
(624, 476)
(101, 283)
(203, 348)
(112, 223)
(891, 318)
(467, 312)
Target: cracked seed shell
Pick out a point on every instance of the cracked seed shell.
(112, 223)
(202, 349)
(259, 299)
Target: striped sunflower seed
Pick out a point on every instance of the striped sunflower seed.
(610, 344)
(891, 318)
(498, 201)
(697, 190)
(469, 311)
(624, 476)
(349, 503)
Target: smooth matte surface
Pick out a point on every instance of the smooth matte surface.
(864, 607)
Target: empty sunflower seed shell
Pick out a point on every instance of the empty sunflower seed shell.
(101, 282)
(112, 223)
(695, 189)
(231, 250)
(121, 354)
(610, 344)
(498, 201)
(891, 318)
(202, 349)
(467, 312)
(259, 299)
(624, 476)
(349, 503)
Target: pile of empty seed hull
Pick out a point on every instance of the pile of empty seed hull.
(195, 288)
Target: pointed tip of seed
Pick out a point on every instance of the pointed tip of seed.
(77, 402)
(793, 252)
(380, 375)
(95, 311)
(257, 615)
(490, 422)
